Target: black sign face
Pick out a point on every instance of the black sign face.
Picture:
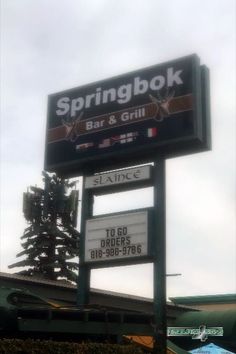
(129, 119)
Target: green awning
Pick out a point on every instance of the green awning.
(225, 319)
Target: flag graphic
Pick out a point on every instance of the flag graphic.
(151, 132)
(84, 146)
(124, 138)
(105, 143)
(118, 139)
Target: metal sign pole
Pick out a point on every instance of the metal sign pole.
(159, 266)
(84, 271)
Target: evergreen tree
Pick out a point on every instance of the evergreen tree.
(51, 240)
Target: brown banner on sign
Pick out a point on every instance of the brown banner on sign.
(158, 109)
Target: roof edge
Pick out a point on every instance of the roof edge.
(205, 299)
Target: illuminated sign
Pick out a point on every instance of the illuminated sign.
(117, 237)
(162, 109)
(130, 175)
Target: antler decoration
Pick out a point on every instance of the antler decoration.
(162, 104)
(72, 128)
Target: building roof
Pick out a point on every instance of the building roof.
(41, 281)
(68, 285)
(204, 299)
(66, 292)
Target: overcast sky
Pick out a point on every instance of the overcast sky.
(50, 46)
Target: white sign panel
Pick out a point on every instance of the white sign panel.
(119, 236)
(118, 177)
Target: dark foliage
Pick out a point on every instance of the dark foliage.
(51, 240)
(17, 346)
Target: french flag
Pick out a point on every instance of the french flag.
(151, 132)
